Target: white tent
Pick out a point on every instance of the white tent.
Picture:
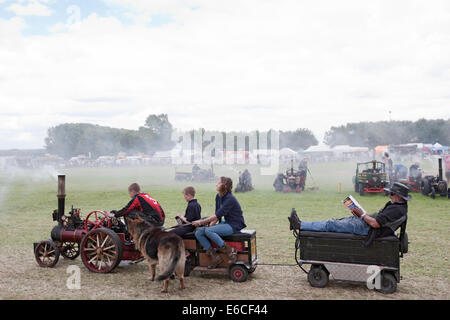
(287, 152)
(318, 149)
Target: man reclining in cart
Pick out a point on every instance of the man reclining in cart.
(141, 204)
(373, 226)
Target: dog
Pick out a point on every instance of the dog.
(159, 246)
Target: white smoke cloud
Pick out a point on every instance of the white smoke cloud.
(10, 174)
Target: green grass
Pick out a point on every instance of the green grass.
(26, 215)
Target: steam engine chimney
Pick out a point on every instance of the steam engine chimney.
(61, 195)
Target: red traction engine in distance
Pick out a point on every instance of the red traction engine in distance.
(101, 241)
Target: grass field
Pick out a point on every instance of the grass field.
(26, 205)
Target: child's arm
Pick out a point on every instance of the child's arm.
(182, 218)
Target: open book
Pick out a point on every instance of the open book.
(351, 203)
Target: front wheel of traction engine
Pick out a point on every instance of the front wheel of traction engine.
(101, 250)
(46, 254)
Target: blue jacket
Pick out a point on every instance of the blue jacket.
(229, 208)
(193, 211)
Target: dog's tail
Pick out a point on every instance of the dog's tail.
(175, 256)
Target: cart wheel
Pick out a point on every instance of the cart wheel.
(318, 277)
(238, 273)
(46, 254)
(101, 250)
(70, 250)
(388, 283)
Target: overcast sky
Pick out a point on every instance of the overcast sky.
(227, 65)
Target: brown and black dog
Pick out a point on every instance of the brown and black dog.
(159, 246)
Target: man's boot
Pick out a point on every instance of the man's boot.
(216, 259)
(230, 252)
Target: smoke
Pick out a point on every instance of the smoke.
(46, 173)
(11, 174)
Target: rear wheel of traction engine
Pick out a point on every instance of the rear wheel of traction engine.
(388, 283)
(46, 254)
(70, 250)
(101, 250)
(238, 273)
(317, 276)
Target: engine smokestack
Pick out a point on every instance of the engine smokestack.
(440, 169)
(61, 195)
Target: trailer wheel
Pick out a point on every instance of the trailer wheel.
(101, 250)
(238, 273)
(70, 250)
(388, 283)
(46, 254)
(318, 277)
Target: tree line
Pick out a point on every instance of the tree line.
(372, 134)
(72, 139)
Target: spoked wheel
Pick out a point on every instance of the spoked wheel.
(46, 254)
(101, 250)
(70, 250)
(96, 219)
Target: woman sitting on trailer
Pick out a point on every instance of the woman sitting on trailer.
(229, 208)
